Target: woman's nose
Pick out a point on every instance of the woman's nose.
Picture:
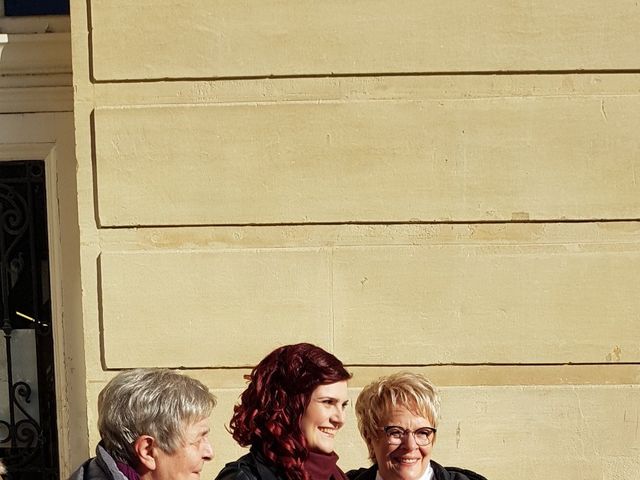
(207, 450)
(409, 441)
(338, 416)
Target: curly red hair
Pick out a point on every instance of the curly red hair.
(280, 387)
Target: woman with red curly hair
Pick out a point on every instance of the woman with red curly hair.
(293, 406)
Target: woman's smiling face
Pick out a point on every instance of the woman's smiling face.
(407, 461)
(324, 416)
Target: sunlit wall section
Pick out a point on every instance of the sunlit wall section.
(446, 187)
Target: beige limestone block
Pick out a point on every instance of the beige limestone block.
(205, 308)
(230, 38)
(373, 161)
(401, 305)
(541, 432)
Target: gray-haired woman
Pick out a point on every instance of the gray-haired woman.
(154, 425)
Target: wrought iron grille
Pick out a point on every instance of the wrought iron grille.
(28, 439)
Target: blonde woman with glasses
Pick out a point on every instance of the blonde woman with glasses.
(398, 420)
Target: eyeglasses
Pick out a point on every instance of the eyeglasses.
(422, 436)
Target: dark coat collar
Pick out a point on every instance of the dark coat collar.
(440, 473)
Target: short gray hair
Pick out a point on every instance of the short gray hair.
(403, 389)
(150, 401)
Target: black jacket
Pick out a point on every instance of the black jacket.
(439, 473)
(100, 467)
(248, 467)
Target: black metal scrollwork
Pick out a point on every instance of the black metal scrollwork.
(13, 216)
(27, 430)
(27, 440)
(5, 426)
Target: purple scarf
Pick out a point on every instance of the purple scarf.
(128, 471)
(321, 466)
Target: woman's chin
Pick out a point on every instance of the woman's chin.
(404, 471)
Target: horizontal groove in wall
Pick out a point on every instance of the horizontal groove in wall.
(380, 222)
(373, 75)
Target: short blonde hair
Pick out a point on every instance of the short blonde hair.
(403, 389)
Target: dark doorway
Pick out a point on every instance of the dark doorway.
(28, 433)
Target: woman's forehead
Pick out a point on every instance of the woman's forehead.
(334, 390)
(405, 413)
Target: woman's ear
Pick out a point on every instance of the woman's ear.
(144, 447)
